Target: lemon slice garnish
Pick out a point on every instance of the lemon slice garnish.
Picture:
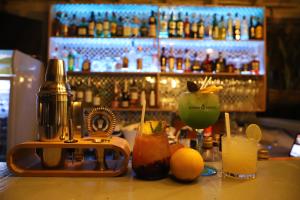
(254, 132)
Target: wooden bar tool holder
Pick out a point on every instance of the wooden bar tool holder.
(23, 159)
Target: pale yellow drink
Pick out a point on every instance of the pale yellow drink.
(239, 157)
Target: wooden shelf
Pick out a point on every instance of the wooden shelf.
(140, 109)
(163, 74)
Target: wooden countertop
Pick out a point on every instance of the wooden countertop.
(276, 179)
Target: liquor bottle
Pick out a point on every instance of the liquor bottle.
(73, 26)
(139, 59)
(127, 27)
(143, 94)
(252, 28)
(135, 27)
(187, 61)
(64, 25)
(220, 64)
(194, 29)
(187, 26)
(99, 26)
(152, 25)
(179, 26)
(117, 95)
(64, 55)
(56, 24)
(132, 57)
(91, 25)
(171, 60)
(134, 94)
(106, 26)
(254, 65)
(179, 61)
(144, 29)
(97, 97)
(215, 28)
(154, 58)
(237, 27)
(208, 27)
(113, 25)
(207, 64)
(86, 65)
(163, 26)
(244, 29)
(196, 67)
(163, 60)
(71, 60)
(172, 26)
(222, 29)
(125, 60)
(82, 29)
(201, 28)
(259, 30)
(88, 93)
(73, 89)
(152, 97)
(125, 96)
(55, 53)
(80, 91)
(120, 27)
(229, 35)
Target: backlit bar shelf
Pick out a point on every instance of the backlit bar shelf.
(243, 92)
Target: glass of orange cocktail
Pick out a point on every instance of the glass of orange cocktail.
(151, 153)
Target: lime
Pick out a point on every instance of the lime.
(253, 131)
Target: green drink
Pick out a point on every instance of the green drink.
(199, 110)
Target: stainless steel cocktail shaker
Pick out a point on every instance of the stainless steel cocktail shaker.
(54, 100)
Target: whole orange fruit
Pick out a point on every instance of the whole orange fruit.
(186, 164)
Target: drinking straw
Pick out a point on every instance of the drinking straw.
(208, 81)
(227, 123)
(143, 114)
(205, 79)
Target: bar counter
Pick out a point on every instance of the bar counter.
(276, 179)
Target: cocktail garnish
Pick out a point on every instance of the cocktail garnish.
(254, 132)
(192, 87)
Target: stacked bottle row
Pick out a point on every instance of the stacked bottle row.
(202, 62)
(125, 94)
(164, 25)
(181, 61)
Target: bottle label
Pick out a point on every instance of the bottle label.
(194, 27)
(152, 99)
(88, 96)
(135, 31)
(201, 32)
(96, 101)
(259, 32)
(70, 63)
(134, 96)
(127, 31)
(171, 64)
(125, 104)
(82, 31)
(163, 26)
(91, 25)
(180, 28)
(79, 95)
(86, 66)
(216, 32)
(99, 27)
(113, 28)
(125, 62)
(139, 63)
(172, 25)
(152, 30)
(106, 25)
(187, 30)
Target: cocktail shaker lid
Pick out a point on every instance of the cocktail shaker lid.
(55, 71)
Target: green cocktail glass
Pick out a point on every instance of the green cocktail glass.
(199, 110)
